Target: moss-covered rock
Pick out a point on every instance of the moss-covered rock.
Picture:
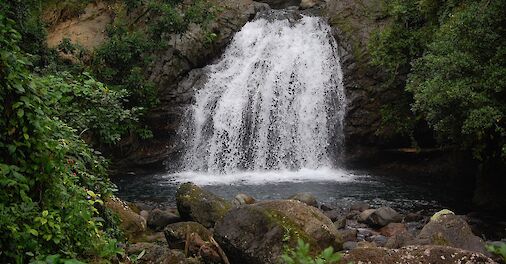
(176, 234)
(132, 224)
(450, 230)
(199, 205)
(258, 233)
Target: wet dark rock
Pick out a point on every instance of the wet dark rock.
(400, 240)
(364, 215)
(364, 233)
(413, 217)
(340, 223)
(305, 197)
(359, 206)
(429, 254)
(199, 205)
(378, 240)
(349, 245)
(392, 229)
(158, 219)
(177, 233)
(258, 233)
(326, 208)
(348, 234)
(450, 230)
(243, 198)
(334, 214)
(380, 217)
(209, 254)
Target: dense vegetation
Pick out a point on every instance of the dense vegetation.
(53, 182)
(450, 57)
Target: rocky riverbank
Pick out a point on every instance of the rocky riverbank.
(205, 228)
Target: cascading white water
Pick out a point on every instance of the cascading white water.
(274, 101)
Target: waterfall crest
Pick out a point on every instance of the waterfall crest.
(274, 101)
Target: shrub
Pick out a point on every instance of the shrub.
(89, 106)
(301, 255)
(52, 182)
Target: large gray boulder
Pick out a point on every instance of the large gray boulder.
(450, 230)
(258, 233)
(199, 205)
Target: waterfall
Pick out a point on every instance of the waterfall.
(273, 101)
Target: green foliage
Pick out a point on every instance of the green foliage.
(454, 55)
(301, 255)
(89, 106)
(499, 250)
(52, 182)
(459, 83)
(121, 61)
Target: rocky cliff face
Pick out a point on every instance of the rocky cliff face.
(174, 72)
(177, 70)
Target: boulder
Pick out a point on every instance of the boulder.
(157, 253)
(400, 240)
(340, 223)
(450, 230)
(243, 198)
(392, 229)
(194, 203)
(413, 217)
(305, 197)
(176, 234)
(362, 217)
(378, 240)
(380, 217)
(359, 206)
(258, 233)
(348, 234)
(429, 254)
(131, 223)
(158, 219)
(334, 214)
(349, 245)
(144, 214)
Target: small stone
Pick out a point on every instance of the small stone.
(305, 197)
(243, 198)
(378, 240)
(380, 217)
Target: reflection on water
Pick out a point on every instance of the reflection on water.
(332, 187)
